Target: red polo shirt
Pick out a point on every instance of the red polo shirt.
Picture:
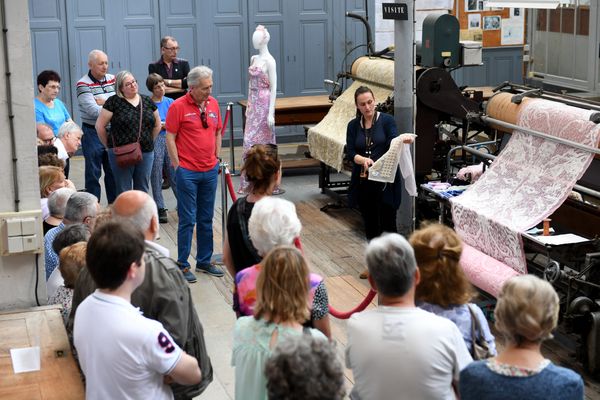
(195, 145)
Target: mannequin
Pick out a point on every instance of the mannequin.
(262, 90)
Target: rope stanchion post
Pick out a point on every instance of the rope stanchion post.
(224, 205)
(231, 137)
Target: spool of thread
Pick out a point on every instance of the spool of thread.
(547, 227)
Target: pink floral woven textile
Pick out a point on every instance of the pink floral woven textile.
(526, 183)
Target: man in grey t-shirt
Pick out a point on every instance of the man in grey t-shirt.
(398, 351)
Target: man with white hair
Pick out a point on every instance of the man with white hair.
(164, 294)
(92, 91)
(81, 208)
(194, 141)
(67, 142)
(398, 351)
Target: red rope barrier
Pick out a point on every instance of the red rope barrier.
(345, 315)
(226, 120)
(230, 185)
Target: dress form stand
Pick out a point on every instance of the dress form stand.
(262, 90)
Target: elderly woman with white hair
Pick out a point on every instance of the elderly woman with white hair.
(133, 118)
(57, 202)
(526, 313)
(274, 223)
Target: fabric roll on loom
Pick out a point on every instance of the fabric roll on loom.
(327, 139)
(526, 183)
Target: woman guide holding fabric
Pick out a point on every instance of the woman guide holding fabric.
(133, 118)
(368, 137)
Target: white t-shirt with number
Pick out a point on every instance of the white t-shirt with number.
(404, 353)
(123, 354)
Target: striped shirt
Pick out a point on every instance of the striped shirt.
(88, 90)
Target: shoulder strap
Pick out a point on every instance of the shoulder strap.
(244, 228)
(140, 126)
(141, 110)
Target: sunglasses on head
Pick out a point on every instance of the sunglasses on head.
(203, 119)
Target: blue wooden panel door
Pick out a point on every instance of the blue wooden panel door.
(49, 43)
(139, 36)
(91, 26)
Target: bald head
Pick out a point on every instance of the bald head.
(45, 133)
(139, 209)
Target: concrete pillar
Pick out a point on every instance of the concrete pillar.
(404, 110)
(18, 272)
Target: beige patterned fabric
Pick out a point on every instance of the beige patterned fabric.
(327, 139)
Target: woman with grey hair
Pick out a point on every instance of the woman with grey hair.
(526, 314)
(273, 223)
(304, 368)
(57, 202)
(132, 117)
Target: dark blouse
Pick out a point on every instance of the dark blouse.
(125, 122)
(243, 257)
(382, 132)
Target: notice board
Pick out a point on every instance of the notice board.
(494, 27)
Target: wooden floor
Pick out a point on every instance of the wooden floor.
(334, 245)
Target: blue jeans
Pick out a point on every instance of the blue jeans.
(161, 161)
(195, 205)
(96, 158)
(136, 177)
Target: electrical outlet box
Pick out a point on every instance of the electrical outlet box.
(28, 226)
(13, 227)
(21, 232)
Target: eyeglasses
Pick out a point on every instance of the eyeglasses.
(171, 48)
(53, 87)
(130, 84)
(48, 141)
(203, 119)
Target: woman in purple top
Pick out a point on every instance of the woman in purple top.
(444, 289)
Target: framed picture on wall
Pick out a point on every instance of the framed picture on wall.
(491, 23)
(475, 21)
(473, 5)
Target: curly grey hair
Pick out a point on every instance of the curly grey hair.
(273, 222)
(304, 367)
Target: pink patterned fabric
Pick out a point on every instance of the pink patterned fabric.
(526, 183)
(257, 127)
(484, 271)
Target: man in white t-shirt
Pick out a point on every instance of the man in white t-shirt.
(398, 351)
(122, 353)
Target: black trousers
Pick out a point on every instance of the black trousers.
(378, 217)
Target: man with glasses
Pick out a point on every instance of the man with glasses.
(194, 141)
(174, 70)
(45, 134)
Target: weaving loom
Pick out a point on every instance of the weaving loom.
(530, 180)
(327, 140)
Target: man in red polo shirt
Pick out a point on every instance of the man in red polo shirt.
(194, 141)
